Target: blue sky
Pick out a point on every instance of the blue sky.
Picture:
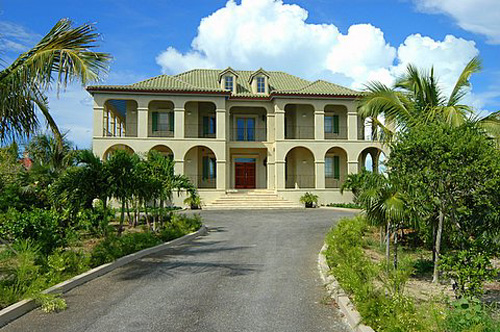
(347, 42)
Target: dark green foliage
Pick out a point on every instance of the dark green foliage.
(469, 270)
(309, 199)
(345, 205)
(470, 315)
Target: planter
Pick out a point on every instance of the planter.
(309, 205)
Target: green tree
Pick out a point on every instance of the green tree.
(456, 171)
(46, 150)
(416, 98)
(63, 56)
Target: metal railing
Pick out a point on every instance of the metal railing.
(249, 135)
(162, 130)
(331, 182)
(199, 131)
(203, 182)
(300, 181)
(341, 134)
(299, 132)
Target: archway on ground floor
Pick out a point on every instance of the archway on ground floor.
(200, 166)
(163, 150)
(109, 152)
(370, 159)
(299, 168)
(335, 167)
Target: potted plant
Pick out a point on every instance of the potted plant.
(194, 201)
(310, 200)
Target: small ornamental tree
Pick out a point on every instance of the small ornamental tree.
(456, 172)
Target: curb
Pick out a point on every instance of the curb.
(20, 308)
(341, 209)
(336, 292)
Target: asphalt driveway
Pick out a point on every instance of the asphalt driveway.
(253, 271)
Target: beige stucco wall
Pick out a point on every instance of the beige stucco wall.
(269, 114)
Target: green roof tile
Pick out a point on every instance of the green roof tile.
(207, 80)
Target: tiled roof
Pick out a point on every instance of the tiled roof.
(207, 81)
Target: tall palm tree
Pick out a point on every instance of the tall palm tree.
(63, 56)
(49, 151)
(416, 98)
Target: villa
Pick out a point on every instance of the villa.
(234, 131)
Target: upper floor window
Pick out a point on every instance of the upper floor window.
(228, 83)
(261, 84)
(162, 121)
(332, 124)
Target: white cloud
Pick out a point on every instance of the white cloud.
(478, 16)
(276, 36)
(16, 38)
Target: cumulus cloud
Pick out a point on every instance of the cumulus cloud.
(16, 38)
(277, 36)
(477, 16)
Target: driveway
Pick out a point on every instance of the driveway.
(253, 271)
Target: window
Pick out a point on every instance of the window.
(228, 83)
(332, 167)
(162, 121)
(245, 129)
(261, 84)
(208, 126)
(209, 167)
(332, 124)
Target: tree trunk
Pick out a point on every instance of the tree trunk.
(130, 223)
(388, 243)
(155, 217)
(162, 211)
(122, 217)
(439, 233)
(396, 249)
(381, 228)
(434, 231)
(147, 216)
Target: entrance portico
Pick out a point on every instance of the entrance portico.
(248, 168)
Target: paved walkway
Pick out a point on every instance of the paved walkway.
(254, 271)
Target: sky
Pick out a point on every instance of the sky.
(348, 42)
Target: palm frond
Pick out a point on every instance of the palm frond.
(463, 83)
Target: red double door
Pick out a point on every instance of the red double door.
(245, 175)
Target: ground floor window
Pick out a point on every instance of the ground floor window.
(332, 167)
(209, 168)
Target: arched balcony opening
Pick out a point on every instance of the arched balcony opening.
(299, 121)
(299, 169)
(120, 118)
(200, 166)
(200, 120)
(335, 167)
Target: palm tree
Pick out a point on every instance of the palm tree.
(54, 153)
(384, 205)
(63, 56)
(417, 99)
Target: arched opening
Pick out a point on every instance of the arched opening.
(164, 150)
(109, 152)
(369, 159)
(200, 166)
(335, 167)
(248, 123)
(120, 118)
(200, 120)
(299, 121)
(299, 168)
(161, 121)
(335, 122)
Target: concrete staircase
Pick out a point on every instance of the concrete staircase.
(251, 199)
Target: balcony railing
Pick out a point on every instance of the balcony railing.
(203, 182)
(161, 130)
(198, 131)
(340, 134)
(299, 132)
(300, 181)
(331, 182)
(249, 134)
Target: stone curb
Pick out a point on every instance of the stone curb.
(336, 292)
(341, 209)
(20, 308)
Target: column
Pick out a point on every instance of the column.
(352, 167)
(320, 174)
(270, 127)
(319, 124)
(142, 122)
(221, 175)
(279, 123)
(179, 122)
(98, 121)
(280, 174)
(179, 166)
(352, 124)
(271, 170)
(220, 123)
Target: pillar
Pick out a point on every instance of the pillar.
(221, 175)
(98, 121)
(320, 174)
(280, 174)
(142, 122)
(179, 167)
(279, 123)
(352, 123)
(319, 124)
(220, 123)
(179, 122)
(270, 127)
(352, 167)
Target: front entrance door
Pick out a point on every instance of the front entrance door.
(245, 174)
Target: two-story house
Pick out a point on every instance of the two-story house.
(240, 131)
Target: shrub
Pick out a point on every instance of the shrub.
(470, 315)
(309, 199)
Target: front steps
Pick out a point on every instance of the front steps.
(251, 199)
